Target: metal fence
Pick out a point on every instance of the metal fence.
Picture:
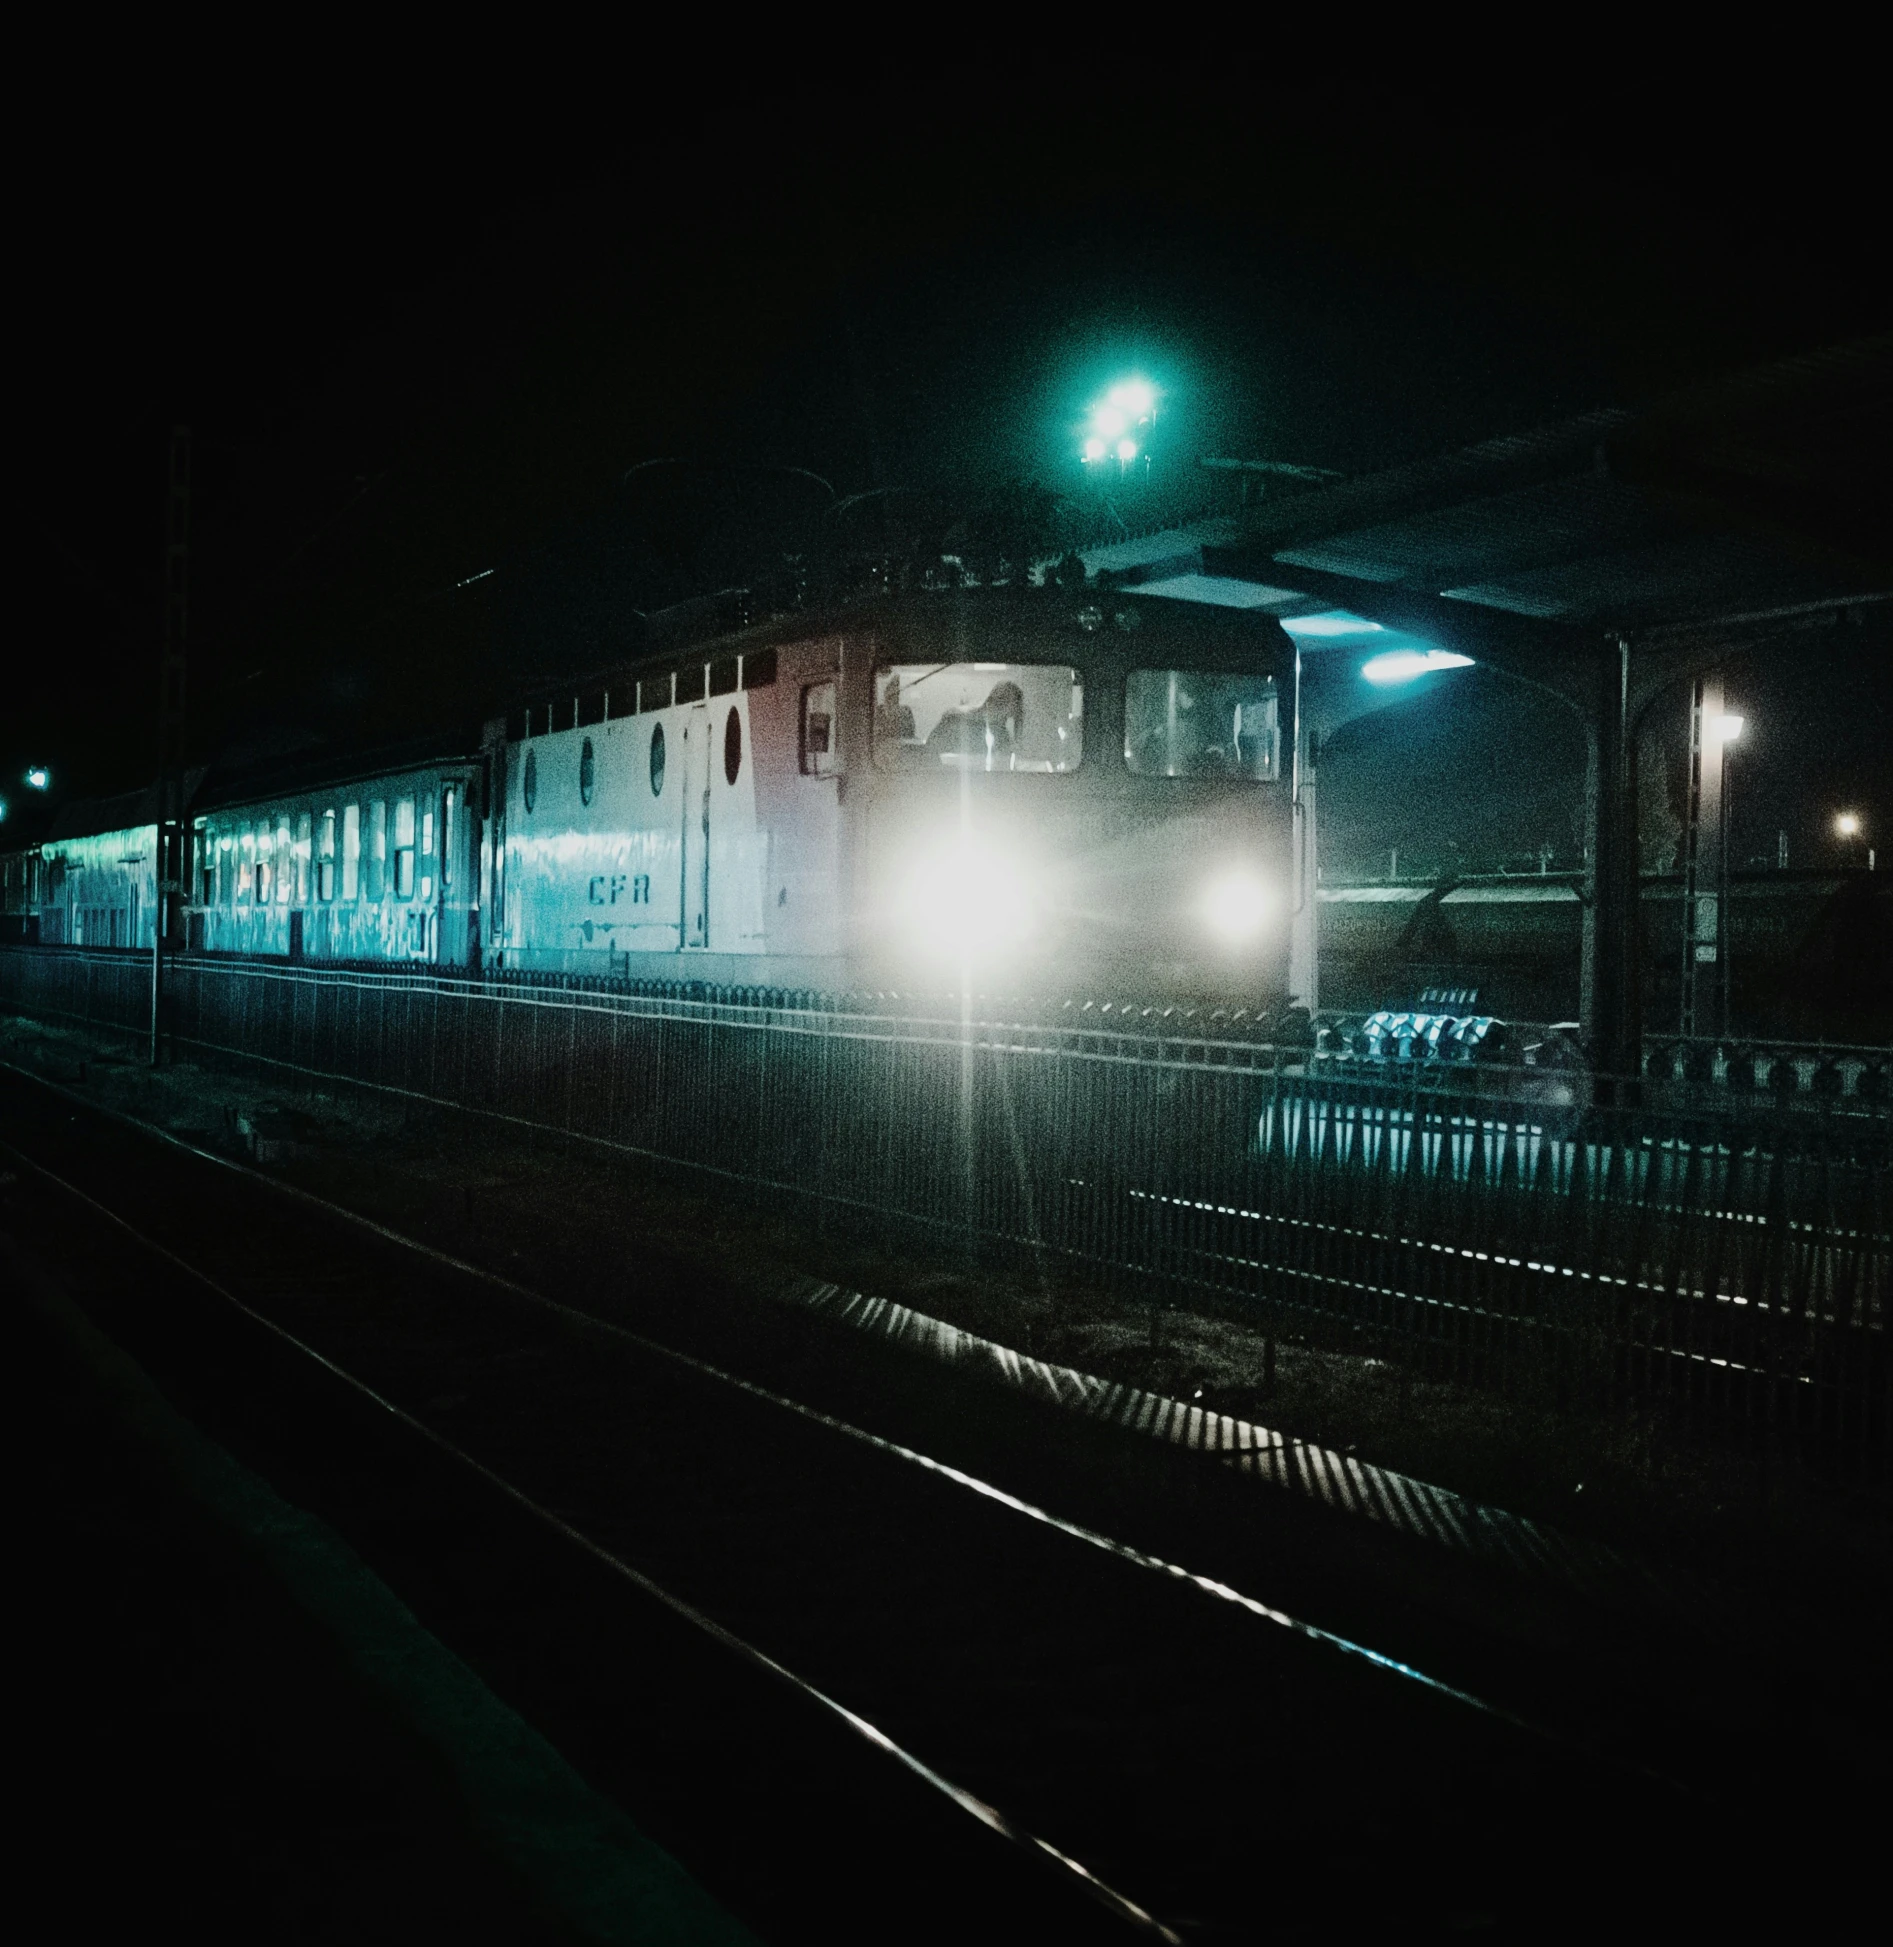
(1474, 1221)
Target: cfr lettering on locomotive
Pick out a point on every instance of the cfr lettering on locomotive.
(607, 888)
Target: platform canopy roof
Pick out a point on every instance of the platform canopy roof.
(1726, 511)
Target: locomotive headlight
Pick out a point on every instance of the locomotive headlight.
(1236, 906)
(965, 901)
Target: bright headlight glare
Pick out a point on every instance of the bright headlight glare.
(1236, 905)
(965, 901)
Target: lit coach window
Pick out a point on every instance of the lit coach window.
(378, 849)
(404, 848)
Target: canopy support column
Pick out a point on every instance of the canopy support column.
(1612, 973)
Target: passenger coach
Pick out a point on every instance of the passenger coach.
(378, 864)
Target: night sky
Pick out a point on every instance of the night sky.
(400, 378)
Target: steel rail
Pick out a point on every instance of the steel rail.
(1208, 1586)
(965, 1801)
(1534, 1267)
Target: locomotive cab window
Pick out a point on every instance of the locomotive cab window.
(1201, 723)
(978, 717)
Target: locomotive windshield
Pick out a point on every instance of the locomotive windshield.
(978, 717)
(1196, 723)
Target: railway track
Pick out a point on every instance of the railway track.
(777, 1634)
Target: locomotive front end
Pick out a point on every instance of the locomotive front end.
(1080, 797)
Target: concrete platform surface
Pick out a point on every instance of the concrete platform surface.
(222, 1725)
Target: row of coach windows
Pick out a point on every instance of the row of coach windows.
(382, 850)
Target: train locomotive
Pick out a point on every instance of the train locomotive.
(1048, 791)
(1053, 791)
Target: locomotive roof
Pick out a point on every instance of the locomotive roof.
(1090, 619)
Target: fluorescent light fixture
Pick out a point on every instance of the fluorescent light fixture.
(1334, 622)
(1403, 665)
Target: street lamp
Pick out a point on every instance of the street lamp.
(38, 778)
(1332, 690)
(1713, 732)
(1850, 828)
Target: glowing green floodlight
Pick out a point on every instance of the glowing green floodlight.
(1116, 422)
(38, 778)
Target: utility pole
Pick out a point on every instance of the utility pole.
(168, 850)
